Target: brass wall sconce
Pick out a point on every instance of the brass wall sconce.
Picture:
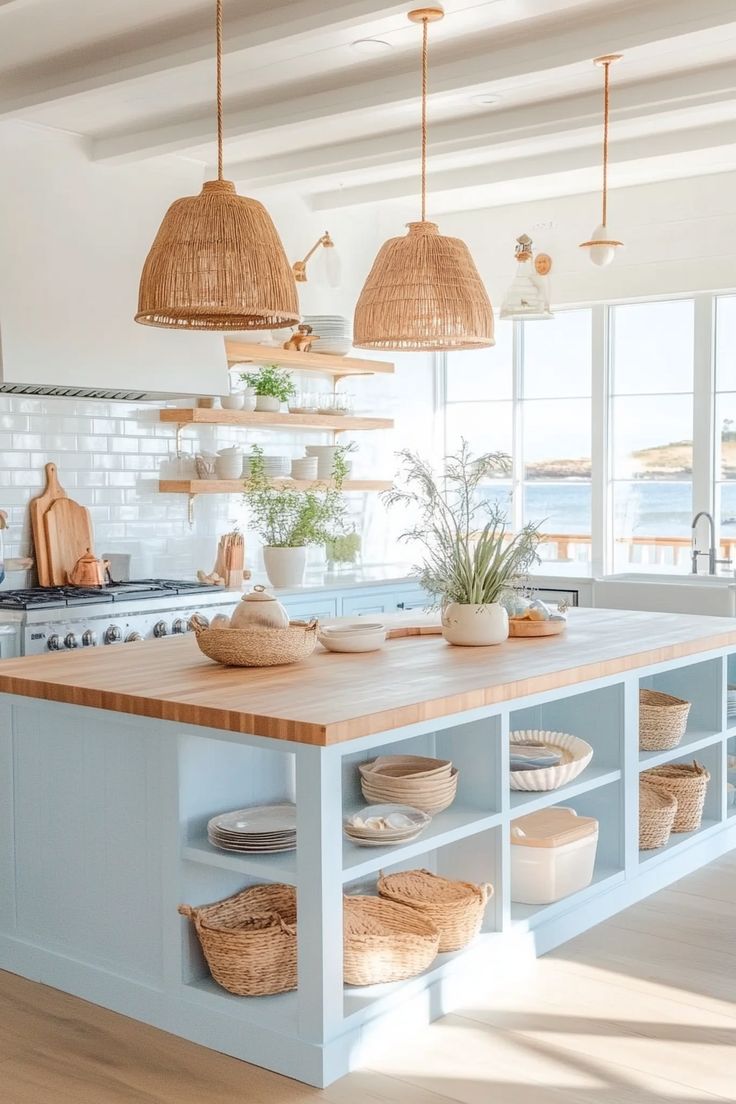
(299, 268)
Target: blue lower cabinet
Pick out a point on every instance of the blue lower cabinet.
(306, 609)
(384, 601)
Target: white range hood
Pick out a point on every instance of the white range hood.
(73, 238)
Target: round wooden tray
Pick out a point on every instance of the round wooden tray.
(519, 627)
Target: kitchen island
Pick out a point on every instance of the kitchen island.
(114, 760)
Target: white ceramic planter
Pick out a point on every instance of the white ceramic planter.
(268, 404)
(232, 402)
(475, 626)
(285, 566)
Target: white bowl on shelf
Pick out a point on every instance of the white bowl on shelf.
(576, 755)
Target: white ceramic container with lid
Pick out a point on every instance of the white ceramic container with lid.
(258, 607)
(552, 855)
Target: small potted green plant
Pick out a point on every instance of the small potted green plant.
(289, 521)
(272, 386)
(469, 561)
(343, 551)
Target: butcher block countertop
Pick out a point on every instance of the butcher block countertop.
(331, 698)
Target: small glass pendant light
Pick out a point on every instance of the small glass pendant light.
(602, 245)
(528, 295)
(423, 293)
(217, 262)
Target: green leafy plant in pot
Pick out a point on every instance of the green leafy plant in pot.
(272, 385)
(289, 521)
(469, 560)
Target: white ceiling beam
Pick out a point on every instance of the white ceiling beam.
(525, 168)
(650, 98)
(164, 50)
(478, 61)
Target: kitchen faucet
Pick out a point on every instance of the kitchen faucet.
(711, 553)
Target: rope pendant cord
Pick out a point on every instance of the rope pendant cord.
(606, 100)
(218, 31)
(425, 67)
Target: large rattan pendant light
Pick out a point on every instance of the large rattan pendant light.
(217, 262)
(602, 245)
(423, 292)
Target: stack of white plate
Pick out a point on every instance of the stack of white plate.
(731, 702)
(385, 825)
(333, 333)
(275, 467)
(261, 829)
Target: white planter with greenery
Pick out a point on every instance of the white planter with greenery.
(469, 561)
(272, 387)
(285, 566)
(289, 521)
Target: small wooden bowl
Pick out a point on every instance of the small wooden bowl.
(524, 627)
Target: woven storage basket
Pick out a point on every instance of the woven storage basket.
(384, 941)
(662, 720)
(688, 783)
(455, 908)
(249, 940)
(257, 646)
(657, 809)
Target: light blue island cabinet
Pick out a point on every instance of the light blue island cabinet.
(112, 763)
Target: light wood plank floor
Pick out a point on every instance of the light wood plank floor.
(638, 1011)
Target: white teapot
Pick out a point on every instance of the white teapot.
(258, 607)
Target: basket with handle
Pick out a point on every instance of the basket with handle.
(455, 908)
(657, 809)
(257, 645)
(384, 941)
(249, 939)
(662, 720)
(688, 783)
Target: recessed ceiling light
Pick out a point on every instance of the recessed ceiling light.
(486, 99)
(370, 47)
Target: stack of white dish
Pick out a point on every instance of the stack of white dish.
(275, 467)
(731, 702)
(385, 825)
(333, 333)
(261, 829)
(355, 636)
(304, 468)
(427, 784)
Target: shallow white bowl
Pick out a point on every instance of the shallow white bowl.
(355, 641)
(576, 757)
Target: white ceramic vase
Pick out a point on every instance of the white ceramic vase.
(475, 626)
(268, 404)
(285, 566)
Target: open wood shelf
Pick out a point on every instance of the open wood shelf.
(247, 352)
(207, 416)
(237, 486)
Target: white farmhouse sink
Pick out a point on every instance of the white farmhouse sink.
(708, 594)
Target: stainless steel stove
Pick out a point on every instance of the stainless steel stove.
(56, 619)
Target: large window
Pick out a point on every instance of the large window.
(619, 428)
(651, 408)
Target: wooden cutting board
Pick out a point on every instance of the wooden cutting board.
(38, 507)
(68, 536)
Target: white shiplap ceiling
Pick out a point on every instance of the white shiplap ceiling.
(308, 114)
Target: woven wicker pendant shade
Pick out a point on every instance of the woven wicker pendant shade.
(217, 261)
(423, 292)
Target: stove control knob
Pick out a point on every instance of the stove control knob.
(70, 640)
(54, 643)
(204, 621)
(112, 634)
(131, 637)
(159, 629)
(89, 639)
(181, 625)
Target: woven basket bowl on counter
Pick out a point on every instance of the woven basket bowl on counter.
(384, 941)
(455, 908)
(249, 940)
(576, 755)
(688, 783)
(258, 645)
(657, 809)
(662, 720)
